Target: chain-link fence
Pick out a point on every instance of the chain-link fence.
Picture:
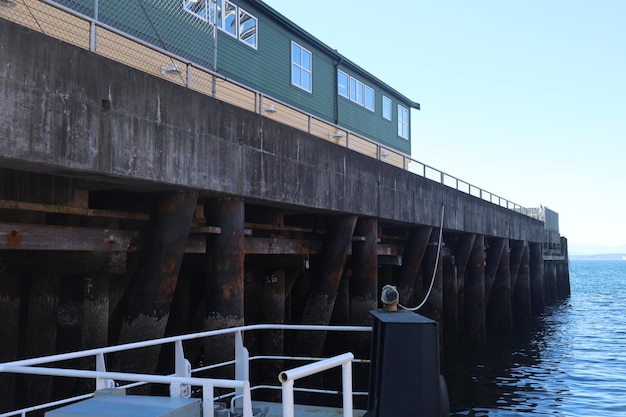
(176, 40)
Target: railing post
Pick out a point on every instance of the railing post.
(346, 377)
(208, 408)
(102, 383)
(183, 369)
(288, 398)
(242, 371)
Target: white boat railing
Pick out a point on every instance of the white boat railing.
(181, 381)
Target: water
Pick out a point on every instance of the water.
(570, 362)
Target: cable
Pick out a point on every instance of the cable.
(432, 281)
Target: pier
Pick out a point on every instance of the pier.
(133, 207)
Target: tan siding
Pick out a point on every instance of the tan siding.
(286, 115)
(363, 146)
(393, 158)
(233, 94)
(148, 60)
(50, 21)
(324, 130)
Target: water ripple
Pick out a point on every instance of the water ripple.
(572, 363)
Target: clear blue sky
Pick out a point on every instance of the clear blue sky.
(524, 99)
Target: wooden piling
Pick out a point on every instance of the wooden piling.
(537, 289)
(325, 280)
(9, 333)
(475, 320)
(434, 304)
(151, 289)
(412, 256)
(522, 308)
(499, 307)
(450, 318)
(462, 253)
(363, 284)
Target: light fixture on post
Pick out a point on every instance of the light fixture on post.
(7, 3)
(336, 135)
(269, 108)
(172, 69)
(384, 153)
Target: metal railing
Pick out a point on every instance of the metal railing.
(87, 31)
(181, 381)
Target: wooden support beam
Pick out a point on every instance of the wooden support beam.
(57, 262)
(450, 318)
(462, 253)
(151, 289)
(73, 210)
(326, 276)
(537, 288)
(494, 255)
(475, 324)
(434, 304)
(9, 335)
(18, 236)
(522, 308)
(499, 307)
(411, 262)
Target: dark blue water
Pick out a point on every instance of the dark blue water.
(571, 361)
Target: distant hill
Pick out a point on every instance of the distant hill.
(600, 257)
(577, 249)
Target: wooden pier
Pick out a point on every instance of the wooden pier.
(133, 208)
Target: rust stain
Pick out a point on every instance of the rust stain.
(14, 239)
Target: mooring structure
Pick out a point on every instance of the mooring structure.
(133, 207)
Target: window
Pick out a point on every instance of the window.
(197, 7)
(386, 108)
(229, 23)
(247, 28)
(403, 122)
(355, 90)
(369, 98)
(342, 83)
(228, 17)
(301, 70)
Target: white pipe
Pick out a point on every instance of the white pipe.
(287, 379)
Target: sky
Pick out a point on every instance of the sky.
(526, 100)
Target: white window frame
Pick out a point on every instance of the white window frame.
(301, 68)
(189, 5)
(369, 104)
(225, 4)
(242, 32)
(347, 87)
(403, 122)
(387, 110)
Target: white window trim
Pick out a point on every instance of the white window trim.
(256, 28)
(309, 71)
(223, 23)
(365, 90)
(386, 99)
(347, 95)
(206, 8)
(402, 123)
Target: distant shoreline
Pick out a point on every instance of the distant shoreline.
(600, 257)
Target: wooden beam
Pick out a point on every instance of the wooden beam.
(57, 262)
(80, 211)
(18, 236)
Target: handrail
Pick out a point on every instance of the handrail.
(382, 152)
(287, 379)
(179, 382)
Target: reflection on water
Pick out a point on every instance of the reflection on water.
(569, 362)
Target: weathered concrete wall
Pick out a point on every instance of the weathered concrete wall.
(66, 111)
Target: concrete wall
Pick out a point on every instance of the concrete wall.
(66, 111)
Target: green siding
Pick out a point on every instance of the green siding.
(267, 69)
